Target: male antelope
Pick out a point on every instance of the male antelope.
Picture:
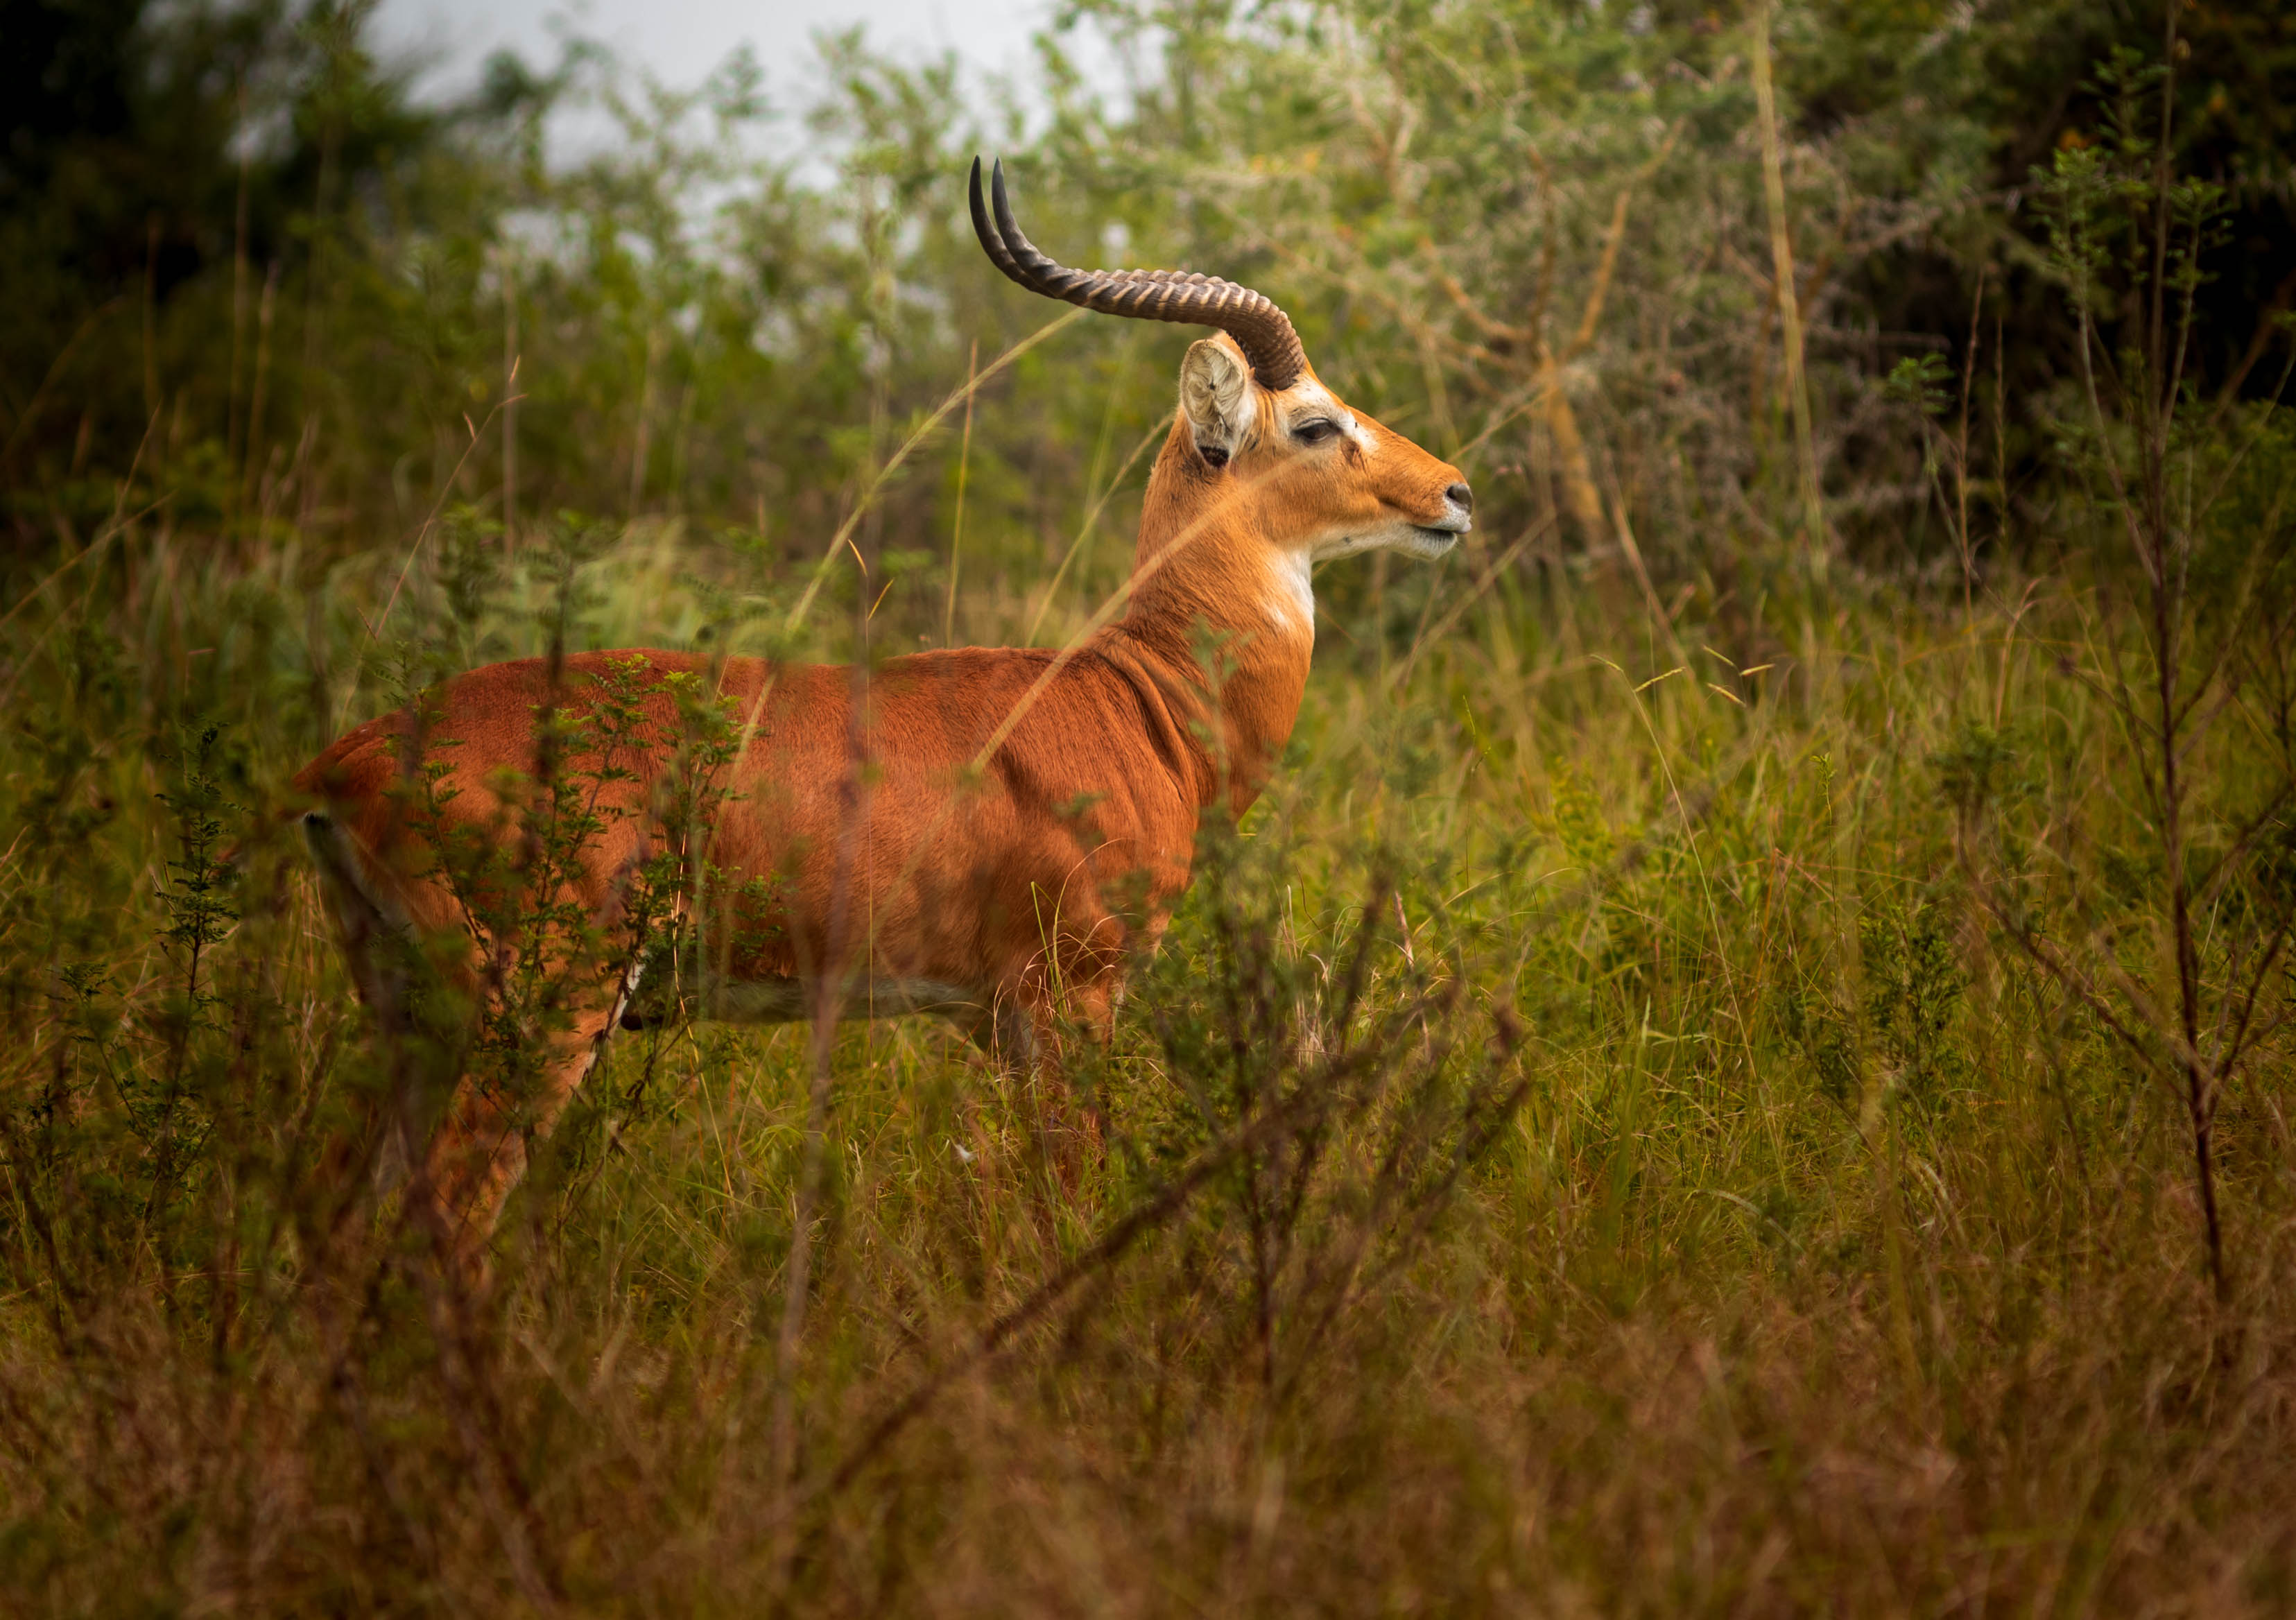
(989, 897)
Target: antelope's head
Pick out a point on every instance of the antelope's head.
(1258, 433)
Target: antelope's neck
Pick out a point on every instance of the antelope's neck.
(1228, 622)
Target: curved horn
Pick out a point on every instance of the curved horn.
(1261, 330)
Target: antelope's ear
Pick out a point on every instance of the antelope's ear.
(1216, 397)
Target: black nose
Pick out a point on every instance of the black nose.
(1461, 496)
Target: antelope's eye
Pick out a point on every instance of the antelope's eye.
(1315, 432)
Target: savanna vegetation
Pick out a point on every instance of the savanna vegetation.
(1743, 1067)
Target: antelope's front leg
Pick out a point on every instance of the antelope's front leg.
(1072, 1129)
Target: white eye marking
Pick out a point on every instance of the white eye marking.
(1312, 402)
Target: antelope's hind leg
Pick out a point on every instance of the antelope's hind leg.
(479, 1154)
(477, 1145)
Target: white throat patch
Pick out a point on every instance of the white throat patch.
(1291, 593)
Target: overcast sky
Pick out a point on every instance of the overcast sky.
(681, 40)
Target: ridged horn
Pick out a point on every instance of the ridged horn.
(1261, 330)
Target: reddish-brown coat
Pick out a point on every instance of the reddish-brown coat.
(1026, 884)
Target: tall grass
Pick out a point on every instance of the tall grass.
(1580, 1141)
(1641, 1118)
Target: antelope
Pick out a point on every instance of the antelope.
(1008, 896)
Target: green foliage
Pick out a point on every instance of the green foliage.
(1919, 380)
(1976, 769)
(162, 1109)
(1913, 980)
